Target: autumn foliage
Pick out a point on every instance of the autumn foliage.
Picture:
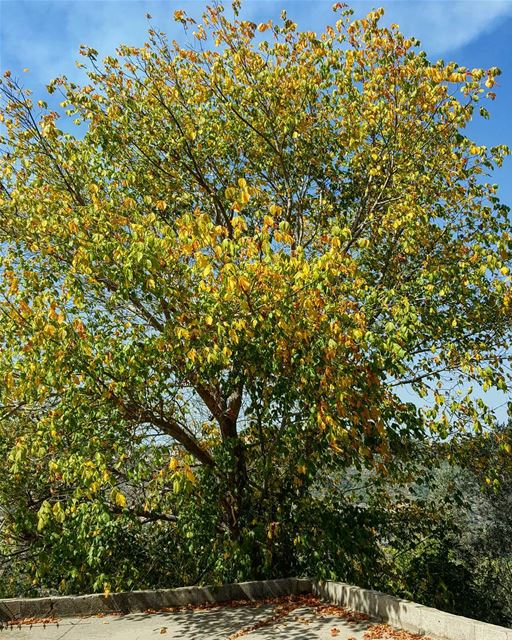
(220, 266)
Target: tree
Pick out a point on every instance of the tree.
(242, 251)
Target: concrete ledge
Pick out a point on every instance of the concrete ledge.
(397, 612)
(408, 615)
(132, 601)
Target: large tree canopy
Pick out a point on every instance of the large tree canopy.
(241, 251)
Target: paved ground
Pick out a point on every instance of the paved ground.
(263, 622)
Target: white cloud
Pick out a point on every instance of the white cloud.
(45, 34)
(441, 25)
(446, 25)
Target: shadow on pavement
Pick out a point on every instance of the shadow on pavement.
(258, 622)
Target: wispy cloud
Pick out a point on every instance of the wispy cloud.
(442, 26)
(45, 35)
(446, 25)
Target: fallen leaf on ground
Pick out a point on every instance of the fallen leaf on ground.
(385, 632)
(30, 621)
(289, 605)
(303, 619)
(340, 612)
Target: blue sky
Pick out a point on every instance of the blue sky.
(45, 35)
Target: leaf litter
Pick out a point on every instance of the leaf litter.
(284, 606)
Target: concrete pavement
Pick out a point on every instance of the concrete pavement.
(259, 622)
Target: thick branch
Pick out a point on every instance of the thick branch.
(226, 413)
(175, 430)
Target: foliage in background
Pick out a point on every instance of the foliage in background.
(220, 267)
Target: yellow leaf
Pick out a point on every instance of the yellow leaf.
(244, 282)
(230, 285)
(189, 474)
(49, 330)
(161, 205)
(120, 499)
